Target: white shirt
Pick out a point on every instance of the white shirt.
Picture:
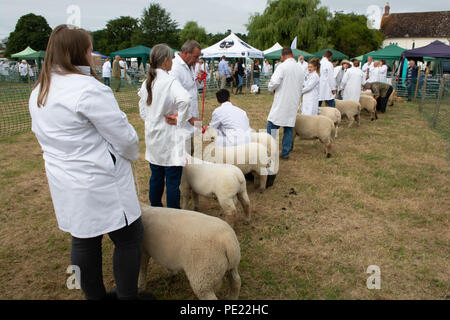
(352, 83)
(287, 83)
(122, 68)
(338, 75)
(106, 70)
(366, 67)
(165, 143)
(23, 69)
(187, 77)
(267, 68)
(310, 100)
(327, 82)
(304, 65)
(374, 74)
(79, 128)
(232, 125)
(383, 73)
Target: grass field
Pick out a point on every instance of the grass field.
(382, 199)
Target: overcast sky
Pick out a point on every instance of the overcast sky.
(213, 15)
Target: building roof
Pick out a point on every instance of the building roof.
(434, 24)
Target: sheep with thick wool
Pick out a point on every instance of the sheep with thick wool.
(350, 109)
(224, 181)
(369, 104)
(251, 157)
(315, 127)
(333, 114)
(204, 247)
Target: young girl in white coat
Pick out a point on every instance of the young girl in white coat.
(88, 147)
(310, 103)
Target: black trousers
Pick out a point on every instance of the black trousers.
(87, 255)
(382, 102)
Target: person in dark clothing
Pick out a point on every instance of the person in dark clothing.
(240, 73)
(381, 92)
(411, 78)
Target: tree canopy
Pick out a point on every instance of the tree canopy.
(192, 30)
(31, 30)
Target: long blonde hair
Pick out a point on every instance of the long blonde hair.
(158, 55)
(66, 49)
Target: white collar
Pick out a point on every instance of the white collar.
(226, 104)
(84, 69)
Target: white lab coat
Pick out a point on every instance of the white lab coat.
(287, 83)
(338, 75)
(187, 77)
(366, 68)
(106, 70)
(165, 143)
(79, 128)
(23, 69)
(304, 66)
(310, 100)
(123, 67)
(383, 73)
(353, 79)
(232, 125)
(327, 82)
(374, 74)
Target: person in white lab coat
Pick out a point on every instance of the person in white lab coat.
(287, 84)
(23, 71)
(303, 64)
(183, 70)
(383, 71)
(231, 123)
(327, 86)
(88, 147)
(310, 100)
(367, 66)
(352, 82)
(164, 106)
(338, 74)
(374, 72)
(106, 72)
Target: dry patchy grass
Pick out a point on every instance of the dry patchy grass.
(382, 199)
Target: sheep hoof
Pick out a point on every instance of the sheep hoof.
(328, 155)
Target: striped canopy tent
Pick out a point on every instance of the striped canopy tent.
(337, 55)
(276, 55)
(22, 54)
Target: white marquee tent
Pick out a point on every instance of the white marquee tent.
(275, 47)
(232, 47)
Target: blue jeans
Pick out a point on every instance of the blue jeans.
(288, 136)
(330, 103)
(107, 81)
(256, 81)
(172, 175)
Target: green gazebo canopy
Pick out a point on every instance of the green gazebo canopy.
(276, 55)
(391, 52)
(24, 53)
(38, 55)
(142, 52)
(337, 55)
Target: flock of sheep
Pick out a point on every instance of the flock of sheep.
(205, 247)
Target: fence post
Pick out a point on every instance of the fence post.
(424, 90)
(417, 84)
(438, 103)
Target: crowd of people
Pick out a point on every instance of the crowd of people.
(89, 145)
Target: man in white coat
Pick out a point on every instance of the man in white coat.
(367, 66)
(303, 64)
(287, 84)
(327, 85)
(106, 72)
(183, 70)
(339, 72)
(352, 82)
(231, 123)
(374, 72)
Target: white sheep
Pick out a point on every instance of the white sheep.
(350, 109)
(315, 127)
(224, 181)
(252, 157)
(333, 114)
(204, 247)
(369, 104)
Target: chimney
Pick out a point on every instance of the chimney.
(386, 9)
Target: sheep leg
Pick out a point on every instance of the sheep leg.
(235, 284)
(336, 134)
(196, 201)
(350, 121)
(262, 183)
(357, 118)
(143, 271)
(185, 191)
(245, 202)
(229, 209)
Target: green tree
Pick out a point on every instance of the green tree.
(349, 34)
(31, 30)
(156, 26)
(283, 20)
(192, 31)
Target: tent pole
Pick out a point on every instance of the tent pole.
(417, 84)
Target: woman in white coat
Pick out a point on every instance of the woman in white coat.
(310, 100)
(164, 106)
(352, 82)
(88, 147)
